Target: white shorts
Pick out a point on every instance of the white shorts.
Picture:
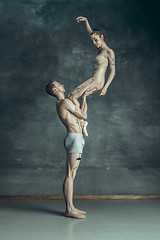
(74, 142)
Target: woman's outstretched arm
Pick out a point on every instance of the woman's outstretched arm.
(88, 27)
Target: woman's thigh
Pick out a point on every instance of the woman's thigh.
(90, 84)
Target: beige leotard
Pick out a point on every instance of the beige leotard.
(100, 65)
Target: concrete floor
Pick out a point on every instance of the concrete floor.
(106, 219)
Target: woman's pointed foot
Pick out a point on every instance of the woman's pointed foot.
(84, 129)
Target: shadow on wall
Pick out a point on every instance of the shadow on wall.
(27, 63)
(143, 17)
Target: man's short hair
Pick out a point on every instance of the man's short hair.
(49, 87)
(98, 32)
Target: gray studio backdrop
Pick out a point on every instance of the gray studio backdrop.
(39, 41)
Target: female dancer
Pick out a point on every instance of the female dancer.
(104, 57)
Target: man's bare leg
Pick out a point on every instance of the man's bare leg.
(71, 168)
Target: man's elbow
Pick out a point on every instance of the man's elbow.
(85, 117)
(82, 116)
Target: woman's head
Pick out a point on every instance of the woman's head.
(98, 32)
(97, 37)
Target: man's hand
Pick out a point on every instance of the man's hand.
(89, 92)
(84, 95)
(79, 19)
(103, 91)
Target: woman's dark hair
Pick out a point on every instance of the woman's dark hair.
(49, 87)
(98, 32)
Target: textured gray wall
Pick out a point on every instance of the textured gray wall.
(39, 41)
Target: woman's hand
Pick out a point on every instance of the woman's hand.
(79, 19)
(103, 91)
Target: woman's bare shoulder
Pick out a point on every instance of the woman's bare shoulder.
(109, 51)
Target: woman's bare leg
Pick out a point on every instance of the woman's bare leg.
(78, 91)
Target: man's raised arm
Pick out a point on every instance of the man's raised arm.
(84, 103)
(75, 110)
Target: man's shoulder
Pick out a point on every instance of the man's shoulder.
(66, 102)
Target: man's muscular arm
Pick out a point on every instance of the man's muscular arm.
(111, 60)
(73, 109)
(84, 103)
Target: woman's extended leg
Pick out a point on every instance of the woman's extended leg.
(78, 91)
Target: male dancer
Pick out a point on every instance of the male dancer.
(70, 115)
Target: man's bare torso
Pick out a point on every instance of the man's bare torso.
(71, 122)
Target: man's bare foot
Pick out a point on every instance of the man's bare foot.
(75, 214)
(83, 212)
(84, 130)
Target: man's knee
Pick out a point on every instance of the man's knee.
(72, 172)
